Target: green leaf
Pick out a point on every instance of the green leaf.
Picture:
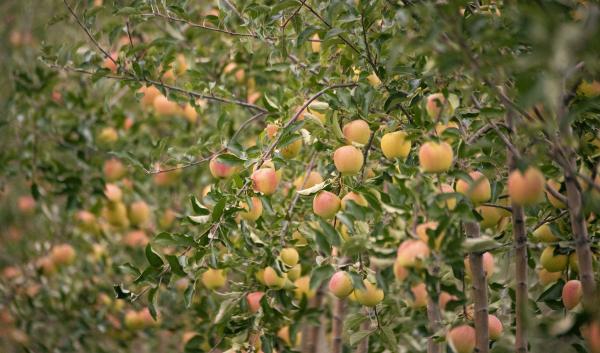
(356, 337)
(199, 209)
(480, 245)
(175, 265)
(188, 296)
(218, 210)
(320, 274)
(153, 258)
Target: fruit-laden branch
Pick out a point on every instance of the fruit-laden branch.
(132, 77)
(212, 155)
(301, 110)
(479, 292)
(520, 239)
(179, 90)
(575, 203)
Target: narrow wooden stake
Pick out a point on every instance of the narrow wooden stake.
(520, 239)
(479, 293)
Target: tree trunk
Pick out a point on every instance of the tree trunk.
(434, 317)
(582, 242)
(337, 325)
(520, 239)
(479, 293)
(310, 344)
(363, 346)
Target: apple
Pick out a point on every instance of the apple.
(340, 284)
(253, 300)
(299, 239)
(435, 157)
(357, 131)
(441, 127)
(294, 272)
(553, 262)
(113, 169)
(491, 216)
(167, 218)
(291, 150)
(133, 321)
(571, 294)
(214, 278)
(422, 233)
(136, 239)
(591, 333)
(146, 318)
(240, 75)
(315, 45)
(574, 262)
(166, 178)
(555, 185)
(289, 256)
(309, 181)
(495, 327)
(63, 254)
(461, 339)
(395, 145)
(284, 334)
(107, 136)
(139, 213)
(272, 279)
(303, 288)
(478, 191)
(149, 94)
(400, 272)
(46, 265)
(113, 193)
(488, 265)
(190, 113)
(411, 253)
(109, 62)
(545, 277)
(221, 170)
(374, 80)
(420, 296)
(589, 89)
(370, 295)
(437, 107)
(265, 181)
(526, 188)
(544, 234)
(348, 160)
(253, 212)
(326, 204)
(26, 204)
(164, 107)
(271, 130)
(446, 298)
(356, 197)
(115, 214)
(450, 203)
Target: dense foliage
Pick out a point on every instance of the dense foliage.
(309, 176)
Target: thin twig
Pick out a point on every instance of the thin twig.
(89, 34)
(285, 23)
